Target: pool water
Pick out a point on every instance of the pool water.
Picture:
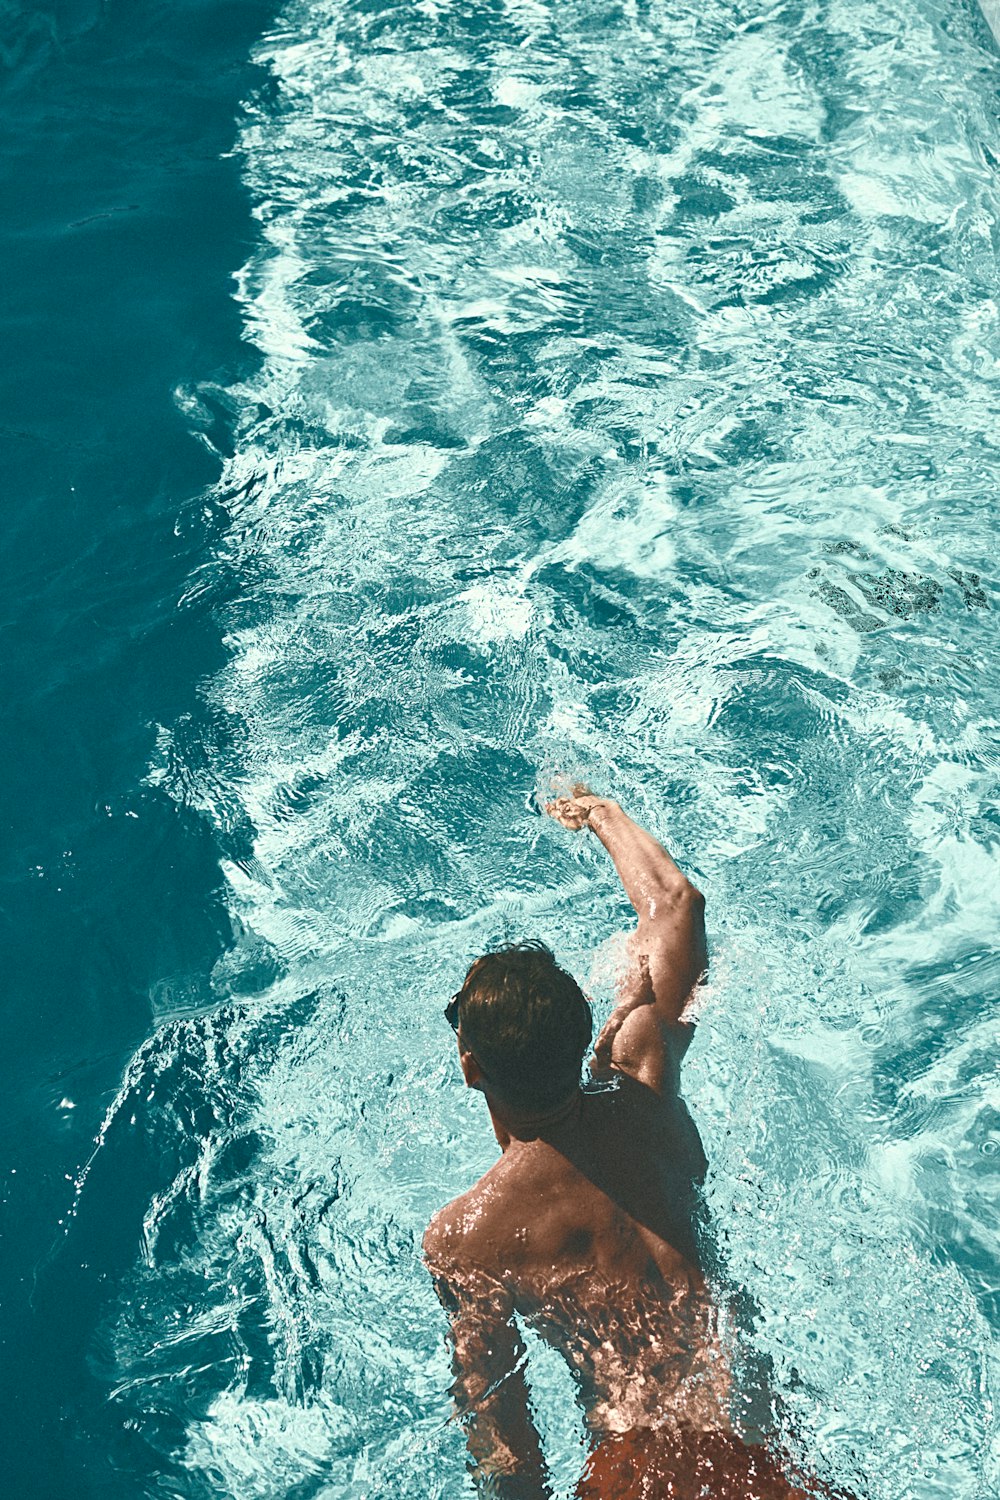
(620, 402)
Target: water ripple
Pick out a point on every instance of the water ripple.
(627, 408)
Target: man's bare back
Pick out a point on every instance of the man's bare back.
(590, 1230)
(586, 1228)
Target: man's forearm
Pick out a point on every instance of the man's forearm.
(649, 875)
(504, 1447)
(668, 951)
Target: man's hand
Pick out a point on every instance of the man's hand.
(574, 811)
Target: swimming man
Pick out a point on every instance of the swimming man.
(585, 1226)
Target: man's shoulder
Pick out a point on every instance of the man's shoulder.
(649, 1051)
(445, 1234)
(460, 1232)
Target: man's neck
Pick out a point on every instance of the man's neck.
(511, 1126)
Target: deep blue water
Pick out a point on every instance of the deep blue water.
(604, 389)
(122, 226)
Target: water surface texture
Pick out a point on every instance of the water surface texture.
(122, 222)
(626, 408)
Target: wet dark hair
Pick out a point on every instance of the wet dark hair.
(527, 1023)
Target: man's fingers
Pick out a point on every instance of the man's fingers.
(566, 812)
(574, 811)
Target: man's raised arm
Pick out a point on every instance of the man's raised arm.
(668, 953)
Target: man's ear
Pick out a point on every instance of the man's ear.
(471, 1071)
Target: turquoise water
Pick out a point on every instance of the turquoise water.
(618, 398)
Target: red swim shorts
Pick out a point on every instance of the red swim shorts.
(650, 1463)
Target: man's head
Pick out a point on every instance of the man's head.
(526, 1024)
